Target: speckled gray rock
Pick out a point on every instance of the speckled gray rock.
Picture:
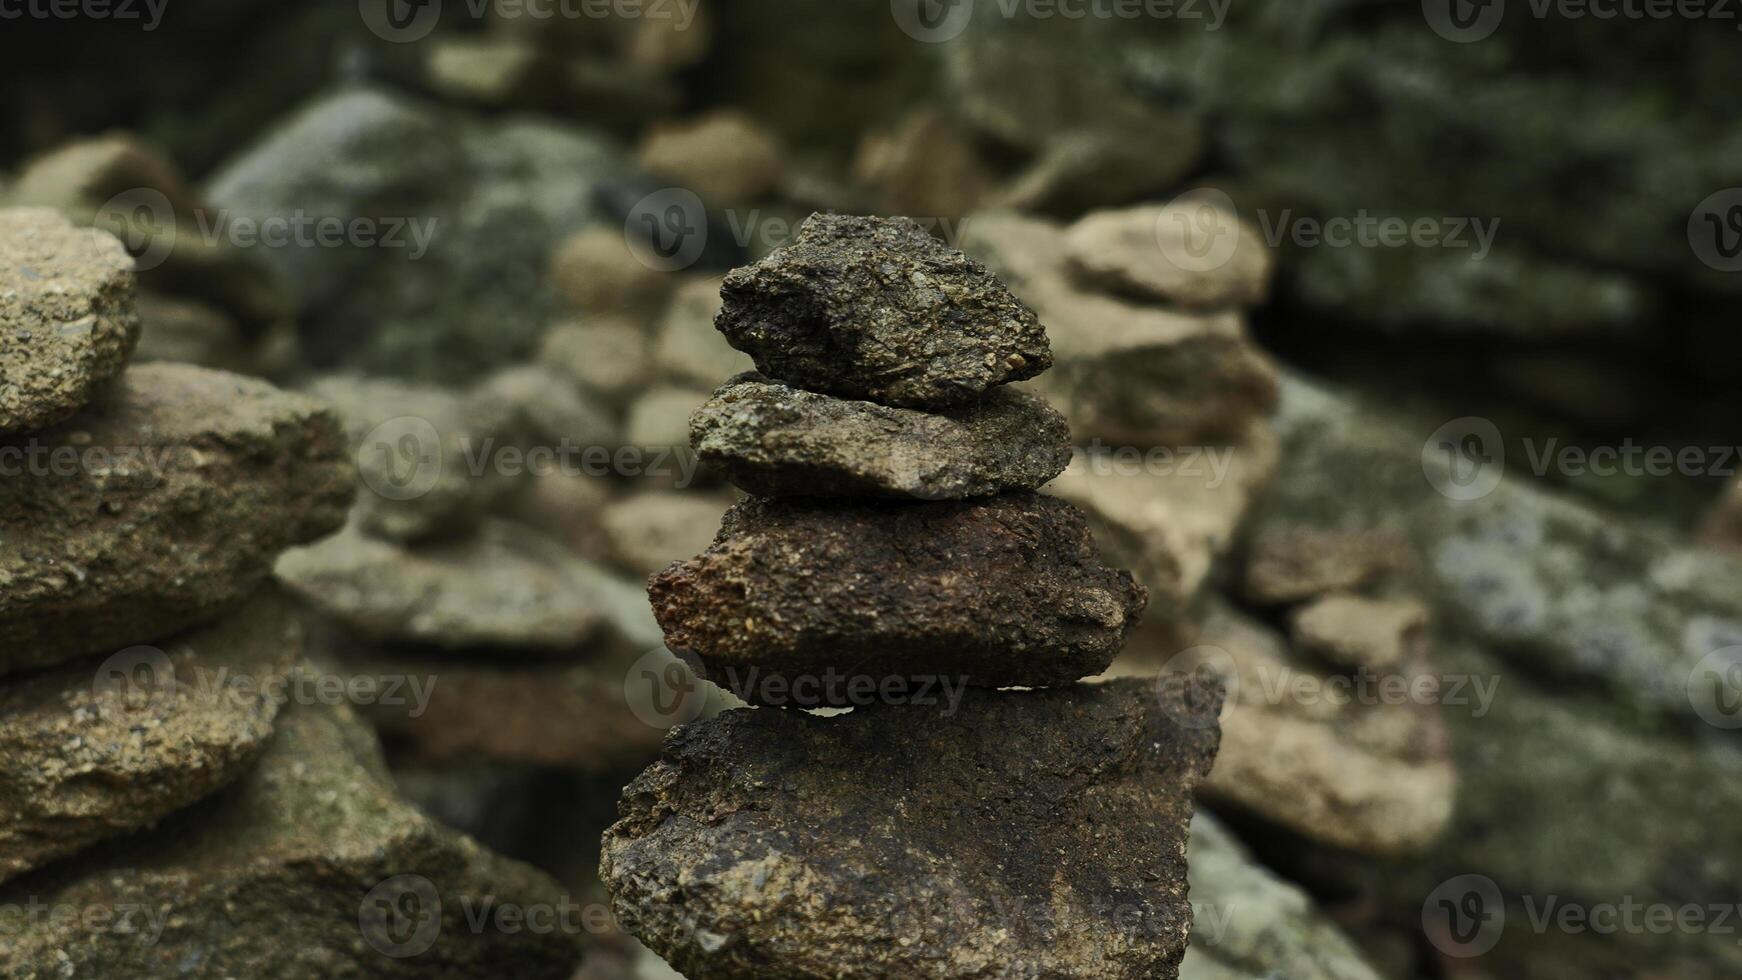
(425, 455)
(1006, 590)
(1250, 924)
(1029, 834)
(158, 508)
(98, 750)
(778, 441)
(67, 322)
(311, 866)
(503, 586)
(875, 308)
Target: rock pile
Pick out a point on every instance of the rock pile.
(895, 557)
(199, 819)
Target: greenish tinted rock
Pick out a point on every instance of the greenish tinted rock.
(777, 441)
(310, 867)
(67, 321)
(158, 508)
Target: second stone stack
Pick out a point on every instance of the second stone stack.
(882, 357)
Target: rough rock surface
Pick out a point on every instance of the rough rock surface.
(504, 586)
(67, 322)
(1362, 771)
(1165, 253)
(876, 308)
(160, 507)
(93, 751)
(414, 447)
(777, 441)
(1354, 631)
(1125, 372)
(1252, 925)
(898, 841)
(1008, 590)
(310, 867)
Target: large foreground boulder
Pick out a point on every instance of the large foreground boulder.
(159, 508)
(1025, 834)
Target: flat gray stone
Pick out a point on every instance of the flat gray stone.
(778, 441)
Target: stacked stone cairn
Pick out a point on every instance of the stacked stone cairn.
(168, 805)
(894, 557)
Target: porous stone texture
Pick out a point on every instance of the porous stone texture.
(98, 750)
(504, 586)
(876, 308)
(1008, 590)
(1252, 925)
(67, 322)
(1187, 253)
(902, 841)
(1355, 631)
(417, 449)
(311, 866)
(159, 508)
(1363, 771)
(1127, 373)
(777, 441)
(725, 157)
(1289, 564)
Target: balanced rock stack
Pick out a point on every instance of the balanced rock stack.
(167, 806)
(894, 557)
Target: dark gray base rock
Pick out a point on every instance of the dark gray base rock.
(777, 441)
(67, 322)
(876, 308)
(1028, 834)
(1008, 590)
(97, 750)
(310, 867)
(159, 508)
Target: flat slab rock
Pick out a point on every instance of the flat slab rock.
(67, 322)
(1006, 590)
(293, 873)
(504, 586)
(95, 751)
(1029, 834)
(876, 308)
(184, 484)
(777, 441)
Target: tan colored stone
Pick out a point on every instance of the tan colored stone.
(1357, 632)
(725, 157)
(599, 273)
(1289, 565)
(609, 354)
(1186, 253)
